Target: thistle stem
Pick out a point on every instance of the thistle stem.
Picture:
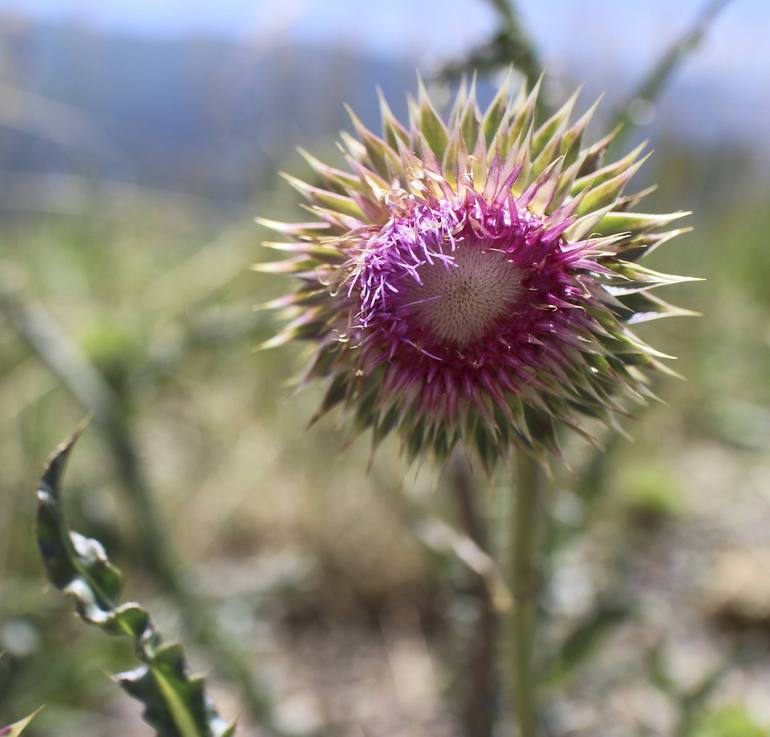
(479, 710)
(524, 574)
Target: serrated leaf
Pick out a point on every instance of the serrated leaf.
(175, 702)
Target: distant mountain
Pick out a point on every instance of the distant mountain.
(202, 115)
(212, 117)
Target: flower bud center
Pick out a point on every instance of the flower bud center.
(459, 301)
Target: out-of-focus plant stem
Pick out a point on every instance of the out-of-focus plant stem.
(524, 573)
(509, 46)
(663, 70)
(691, 702)
(54, 348)
(479, 709)
(525, 58)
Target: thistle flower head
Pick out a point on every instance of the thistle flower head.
(475, 281)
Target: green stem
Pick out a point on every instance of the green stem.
(524, 573)
(522, 52)
(479, 707)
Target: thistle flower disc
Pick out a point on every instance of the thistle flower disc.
(475, 281)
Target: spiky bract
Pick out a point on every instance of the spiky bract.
(475, 281)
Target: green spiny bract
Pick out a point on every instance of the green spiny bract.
(475, 281)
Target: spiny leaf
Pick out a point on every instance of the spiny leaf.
(342, 181)
(591, 157)
(309, 230)
(595, 178)
(315, 250)
(287, 266)
(523, 120)
(607, 191)
(376, 151)
(497, 109)
(332, 200)
(636, 222)
(175, 703)
(642, 278)
(627, 201)
(469, 121)
(646, 307)
(645, 244)
(550, 132)
(15, 729)
(391, 127)
(430, 122)
(571, 140)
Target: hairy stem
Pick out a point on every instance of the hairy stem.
(524, 573)
(481, 689)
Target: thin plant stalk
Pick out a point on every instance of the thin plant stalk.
(524, 573)
(480, 705)
(526, 58)
(668, 64)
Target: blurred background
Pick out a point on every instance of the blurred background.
(138, 141)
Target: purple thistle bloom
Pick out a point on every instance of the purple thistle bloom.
(474, 282)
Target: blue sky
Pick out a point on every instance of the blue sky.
(419, 27)
(621, 38)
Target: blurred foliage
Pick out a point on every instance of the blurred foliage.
(178, 356)
(303, 556)
(510, 45)
(641, 100)
(730, 721)
(651, 494)
(15, 729)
